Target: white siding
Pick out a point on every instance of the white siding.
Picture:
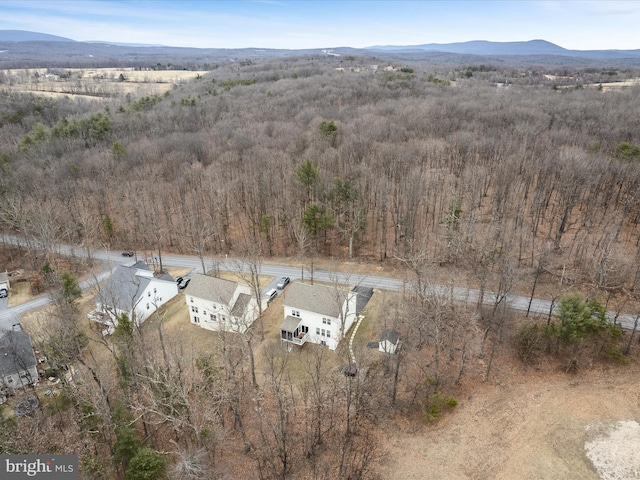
(157, 293)
(323, 328)
(217, 316)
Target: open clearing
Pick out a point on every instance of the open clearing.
(94, 83)
(526, 425)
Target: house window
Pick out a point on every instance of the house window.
(326, 321)
(323, 332)
(295, 313)
(194, 309)
(224, 319)
(9, 380)
(155, 290)
(215, 308)
(204, 312)
(147, 306)
(328, 334)
(196, 320)
(317, 331)
(191, 299)
(214, 318)
(148, 294)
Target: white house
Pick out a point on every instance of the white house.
(221, 305)
(17, 360)
(317, 314)
(132, 290)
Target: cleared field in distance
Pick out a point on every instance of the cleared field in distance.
(94, 83)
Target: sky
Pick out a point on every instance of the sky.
(300, 24)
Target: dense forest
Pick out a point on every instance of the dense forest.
(507, 177)
(332, 156)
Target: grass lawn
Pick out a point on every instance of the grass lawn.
(20, 293)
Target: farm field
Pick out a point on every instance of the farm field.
(94, 82)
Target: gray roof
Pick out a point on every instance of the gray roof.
(211, 288)
(140, 265)
(290, 324)
(390, 335)
(123, 288)
(166, 276)
(241, 305)
(316, 298)
(363, 297)
(16, 352)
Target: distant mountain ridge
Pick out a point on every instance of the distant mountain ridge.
(19, 47)
(26, 36)
(484, 47)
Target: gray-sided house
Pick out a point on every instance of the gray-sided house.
(17, 360)
(317, 314)
(132, 290)
(221, 305)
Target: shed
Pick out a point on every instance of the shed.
(389, 341)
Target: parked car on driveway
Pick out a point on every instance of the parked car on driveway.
(284, 281)
(128, 254)
(179, 280)
(271, 295)
(183, 284)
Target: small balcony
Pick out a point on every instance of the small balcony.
(299, 339)
(292, 331)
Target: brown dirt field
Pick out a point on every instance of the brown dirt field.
(526, 425)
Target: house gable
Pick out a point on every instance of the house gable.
(135, 291)
(318, 299)
(317, 313)
(218, 304)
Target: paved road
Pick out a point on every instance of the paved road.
(10, 316)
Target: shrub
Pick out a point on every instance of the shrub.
(436, 404)
(532, 343)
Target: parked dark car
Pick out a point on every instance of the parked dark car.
(284, 281)
(128, 254)
(179, 280)
(183, 284)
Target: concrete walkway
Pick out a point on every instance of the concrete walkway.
(353, 334)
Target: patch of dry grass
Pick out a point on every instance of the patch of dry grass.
(20, 293)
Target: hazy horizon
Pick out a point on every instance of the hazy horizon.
(571, 24)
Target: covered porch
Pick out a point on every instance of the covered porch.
(292, 331)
